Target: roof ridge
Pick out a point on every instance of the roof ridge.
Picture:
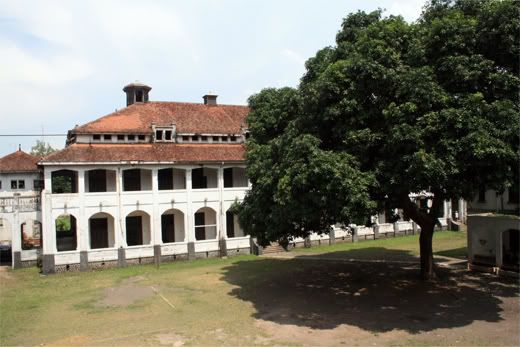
(191, 103)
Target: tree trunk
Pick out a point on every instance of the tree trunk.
(427, 223)
(425, 243)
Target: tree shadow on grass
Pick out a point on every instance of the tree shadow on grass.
(375, 296)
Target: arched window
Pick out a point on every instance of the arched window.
(170, 179)
(30, 232)
(233, 228)
(205, 224)
(204, 178)
(64, 181)
(235, 177)
(137, 179)
(66, 233)
(100, 180)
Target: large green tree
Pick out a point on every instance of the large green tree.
(392, 108)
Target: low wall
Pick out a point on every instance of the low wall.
(145, 254)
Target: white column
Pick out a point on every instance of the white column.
(462, 215)
(189, 219)
(220, 219)
(48, 227)
(16, 232)
(119, 227)
(82, 219)
(156, 217)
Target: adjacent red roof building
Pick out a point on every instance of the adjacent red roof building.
(19, 161)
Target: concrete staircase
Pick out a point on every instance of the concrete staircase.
(274, 247)
(458, 226)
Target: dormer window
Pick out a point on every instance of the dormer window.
(164, 133)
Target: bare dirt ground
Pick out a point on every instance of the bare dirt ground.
(356, 303)
(125, 294)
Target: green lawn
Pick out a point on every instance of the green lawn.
(445, 243)
(249, 300)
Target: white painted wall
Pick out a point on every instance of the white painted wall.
(29, 179)
(5, 231)
(154, 202)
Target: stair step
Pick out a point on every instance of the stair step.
(274, 247)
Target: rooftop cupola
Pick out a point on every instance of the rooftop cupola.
(136, 92)
(210, 99)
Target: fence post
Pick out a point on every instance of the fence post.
(332, 237)
(355, 234)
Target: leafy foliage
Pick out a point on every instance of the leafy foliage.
(393, 108)
(42, 149)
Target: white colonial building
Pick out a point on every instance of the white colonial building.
(152, 182)
(20, 214)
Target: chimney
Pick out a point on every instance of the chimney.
(136, 92)
(210, 99)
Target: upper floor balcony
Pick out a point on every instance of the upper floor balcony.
(167, 184)
(20, 204)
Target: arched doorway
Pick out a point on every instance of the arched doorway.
(172, 226)
(101, 231)
(138, 228)
(66, 233)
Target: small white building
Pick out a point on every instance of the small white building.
(488, 200)
(20, 214)
(152, 182)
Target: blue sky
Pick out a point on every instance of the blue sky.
(66, 62)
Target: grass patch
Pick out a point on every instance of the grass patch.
(447, 243)
(215, 301)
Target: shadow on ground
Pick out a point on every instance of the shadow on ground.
(377, 297)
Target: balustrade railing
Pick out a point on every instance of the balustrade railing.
(20, 203)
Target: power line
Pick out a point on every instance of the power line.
(31, 135)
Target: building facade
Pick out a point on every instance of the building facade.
(20, 212)
(488, 200)
(152, 182)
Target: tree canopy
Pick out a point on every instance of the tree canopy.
(392, 108)
(42, 148)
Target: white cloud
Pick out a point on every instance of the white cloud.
(293, 56)
(23, 68)
(409, 9)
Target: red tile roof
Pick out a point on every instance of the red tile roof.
(19, 161)
(167, 152)
(188, 117)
